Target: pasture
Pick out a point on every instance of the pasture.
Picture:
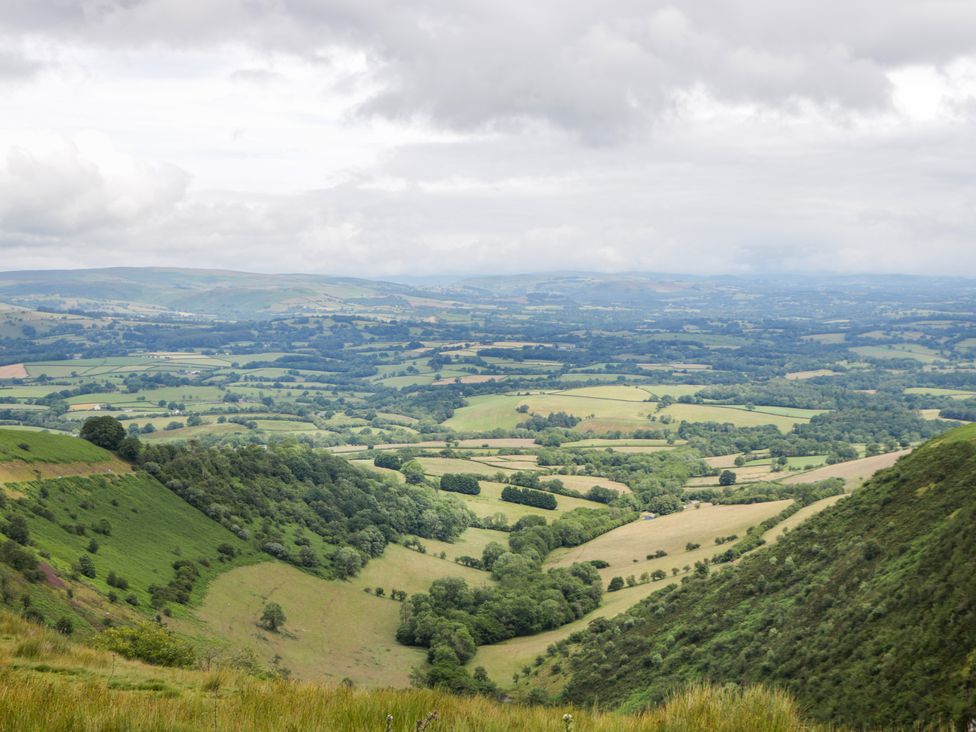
(609, 408)
(634, 541)
(854, 472)
(45, 447)
(334, 630)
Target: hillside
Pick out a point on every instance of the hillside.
(865, 612)
(150, 290)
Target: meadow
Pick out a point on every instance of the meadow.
(334, 629)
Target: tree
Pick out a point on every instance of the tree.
(617, 583)
(85, 566)
(17, 530)
(413, 471)
(105, 432)
(273, 617)
(727, 477)
(130, 448)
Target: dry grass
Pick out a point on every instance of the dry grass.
(13, 371)
(853, 472)
(67, 687)
(16, 471)
(671, 533)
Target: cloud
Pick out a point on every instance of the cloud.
(57, 186)
(372, 138)
(600, 70)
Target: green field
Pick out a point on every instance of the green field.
(606, 408)
(933, 391)
(45, 447)
(740, 417)
(899, 350)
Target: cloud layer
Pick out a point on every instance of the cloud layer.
(460, 136)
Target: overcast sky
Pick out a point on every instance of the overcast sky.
(386, 138)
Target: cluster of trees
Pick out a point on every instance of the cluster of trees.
(553, 420)
(460, 483)
(529, 497)
(452, 619)
(272, 495)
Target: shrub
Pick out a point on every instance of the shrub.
(147, 642)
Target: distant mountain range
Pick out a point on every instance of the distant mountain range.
(181, 293)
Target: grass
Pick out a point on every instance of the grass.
(436, 466)
(96, 691)
(489, 502)
(151, 527)
(799, 517)
(620, 547)
(335, 630)
(853, 472)
(608, 408)
(740, 417)
(43, 447)
(898, 350)
(670, 533)
(933, 391)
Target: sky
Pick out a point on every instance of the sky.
(432, 137)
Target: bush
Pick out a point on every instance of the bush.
(147, 642)
(85, 566)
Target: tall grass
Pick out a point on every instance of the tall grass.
(47, 683)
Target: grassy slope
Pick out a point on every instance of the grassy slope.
(94, 690)
(151, 528)
(335, 630)
(865, 611)
(44, 447)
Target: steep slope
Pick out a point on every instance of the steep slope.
(866, 612)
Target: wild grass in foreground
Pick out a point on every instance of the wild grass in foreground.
(49, 683)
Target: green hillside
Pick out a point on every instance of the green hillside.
(44, 447)
(139, 527)
(866, 612)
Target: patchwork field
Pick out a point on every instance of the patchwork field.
(609, 408)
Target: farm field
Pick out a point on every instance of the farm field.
(502, 660)
(670, 533)
(599, 442)
(490, 502)
(933, 391)
(607, 408)
(899, 350)
(738, 416)
(854, 472)
(745, 474)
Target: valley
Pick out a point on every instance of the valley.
(448, 494)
